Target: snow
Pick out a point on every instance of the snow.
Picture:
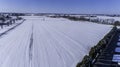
(107, 17)
(118, 44)
(56, 42)
(117, 49)
(118, 39)
(116, 58)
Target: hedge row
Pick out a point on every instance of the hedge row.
(88, 60)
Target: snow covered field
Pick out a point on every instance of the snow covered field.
(49, 42)
(107, 17)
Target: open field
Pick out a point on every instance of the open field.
(49, 42)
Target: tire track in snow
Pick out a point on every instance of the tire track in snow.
(68, 37)
(40, 45)
(62, 48)
(69, 54)
(31, 47)
(14, 53)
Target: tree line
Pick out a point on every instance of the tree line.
(7, 20)
(93, 19)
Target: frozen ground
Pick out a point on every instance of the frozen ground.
(49, 42)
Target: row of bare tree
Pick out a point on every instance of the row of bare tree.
(7, 20)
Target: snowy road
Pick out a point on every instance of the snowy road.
(49, 42)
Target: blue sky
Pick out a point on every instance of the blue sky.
(61, 6)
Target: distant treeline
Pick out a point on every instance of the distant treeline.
(13, 14)
(93, 19)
